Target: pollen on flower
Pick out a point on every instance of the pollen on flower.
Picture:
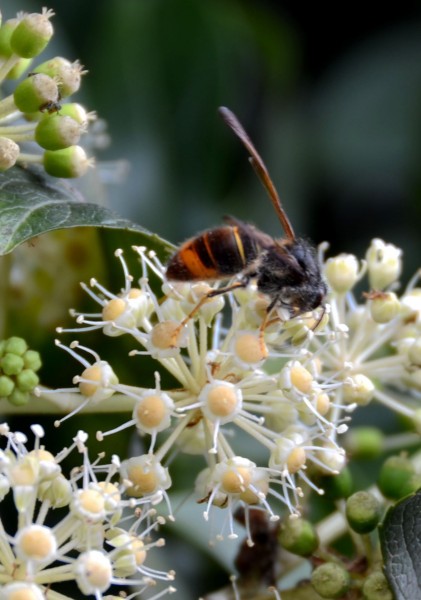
(296, 460)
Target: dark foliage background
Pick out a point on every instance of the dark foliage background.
(330, 96)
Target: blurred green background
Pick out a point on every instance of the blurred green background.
(331, 98)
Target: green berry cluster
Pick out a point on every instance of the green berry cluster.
(18, 367)
(35, 111)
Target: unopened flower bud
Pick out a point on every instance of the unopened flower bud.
(32, 34)
(32, 360)
(76, 111)
(365, 442)
(16, 345)
(384, 264)
(9, 152)
(298, 536)
(33, 93)
(337, 486)
(27, 380)
(358, 388)
(18, 398)
(56, 132)
(384, 306)
(375, 587)
(397, 477)
(363, 511)
(6, 386)
(69, 162)
(11, 364)
(342, 272)
(330, 580)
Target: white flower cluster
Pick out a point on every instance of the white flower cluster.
(289, 388)
(92, 545)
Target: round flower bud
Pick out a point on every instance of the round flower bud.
(16, 345)
(32, 34)
(11, 364)
(18, 398)
(32, 360)
(364, 442)
(337, 486)
(6, 31)
(375, 587)
(384, 264)
(330, 580)
(67, 74)
(396, 477)
(56, 132)
(298, 536)
(75, 111)
(27, 380)
(384, 306)
(363, 512)
(69, 162)
(6, 386)
(358, 388)
(9, 153)
(33, 93)
(341, 272)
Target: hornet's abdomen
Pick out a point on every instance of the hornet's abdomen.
(214, 254)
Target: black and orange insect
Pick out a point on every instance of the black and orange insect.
(287, 270)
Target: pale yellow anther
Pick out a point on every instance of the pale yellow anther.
(138, 549)
(296, 460)
(301, 379)
(236, 481)
(222, 400)
(151, 411)
(250, 348)
(322, 403)
(113, 309)
(92, 501)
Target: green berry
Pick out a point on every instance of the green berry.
(16, 345)
(363, 511)
(18, 398)
(365, 442)
(6, 31)
(375, 587)
(396, 477)
(56, 132)
(298, 536)
(7, 386)
(35, 92)
(69, 162)
(32, 34)
(11, 364)
(32, 360)
(26, 380)
(75, 111)
(330, 580)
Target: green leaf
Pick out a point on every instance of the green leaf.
(400, 535)
(30, 206)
